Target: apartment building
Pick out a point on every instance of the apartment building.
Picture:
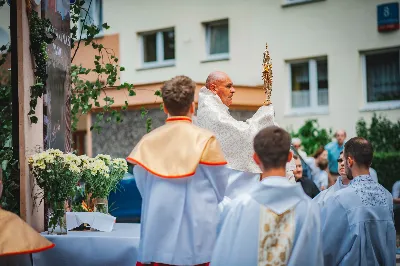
(333, 60)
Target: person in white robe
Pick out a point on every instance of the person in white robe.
(275, 223)
(341, 182)
(357, 221)
(236, 137)
(181, 175)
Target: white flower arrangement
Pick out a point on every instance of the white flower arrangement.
(101, 175)
(57, 175)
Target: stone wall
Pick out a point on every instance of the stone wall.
(118, 140)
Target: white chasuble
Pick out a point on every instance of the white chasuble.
(275, 223)
(236, 139)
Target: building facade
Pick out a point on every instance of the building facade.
(330, 62)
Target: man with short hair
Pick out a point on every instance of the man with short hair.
(236, 137)
(334, 148)
(180, 174)
(275, 223)
(357, 221)
(308, 185)
(340, 183)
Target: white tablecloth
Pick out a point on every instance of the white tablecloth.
(118, 247)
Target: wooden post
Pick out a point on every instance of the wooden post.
(30, 135)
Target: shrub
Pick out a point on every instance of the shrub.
(386, 166)
(312, 136)
(384, 136)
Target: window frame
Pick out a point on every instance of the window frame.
(100, 18)
(314, 108)
(160, 61)
(379, 105)
(298, 2)
(208, 25)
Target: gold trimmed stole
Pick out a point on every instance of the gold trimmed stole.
(276, 235)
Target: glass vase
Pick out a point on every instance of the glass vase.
(100, 205)
(57, 220)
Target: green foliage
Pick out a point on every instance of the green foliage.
(39, 37)
(9, 165)
(386, 165)
(85, 94)
(10, 197)
(383, 134)
(312, 136)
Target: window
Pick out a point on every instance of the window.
(382, 76)
(217, 39)
(309, 84)
(158, 48)
(92, 14)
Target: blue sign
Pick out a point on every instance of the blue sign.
(388, 17)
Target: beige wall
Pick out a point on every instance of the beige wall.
(338, 29)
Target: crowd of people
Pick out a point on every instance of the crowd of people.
(323, 164)
(217, 191)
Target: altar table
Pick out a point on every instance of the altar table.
(86, 248)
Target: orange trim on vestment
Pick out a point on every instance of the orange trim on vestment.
(179, 118)
(214, 163)
(29, 251)
(133, 161)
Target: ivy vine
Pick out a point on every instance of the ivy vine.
(8, 163)
(40, 38)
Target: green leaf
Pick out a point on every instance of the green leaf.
(158, 93)
(132, 93)
(34, 119)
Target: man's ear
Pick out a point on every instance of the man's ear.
(213, 88)
(165, 109)
(290, 156)
(256, 159)
(350, 162)
(192, 108)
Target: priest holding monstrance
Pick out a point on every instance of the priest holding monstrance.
(236, 137)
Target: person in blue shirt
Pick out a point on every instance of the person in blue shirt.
(334, 149)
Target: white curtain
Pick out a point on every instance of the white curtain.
(300, 91)
(219, 39)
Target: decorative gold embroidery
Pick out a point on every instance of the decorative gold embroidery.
(276, 235)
